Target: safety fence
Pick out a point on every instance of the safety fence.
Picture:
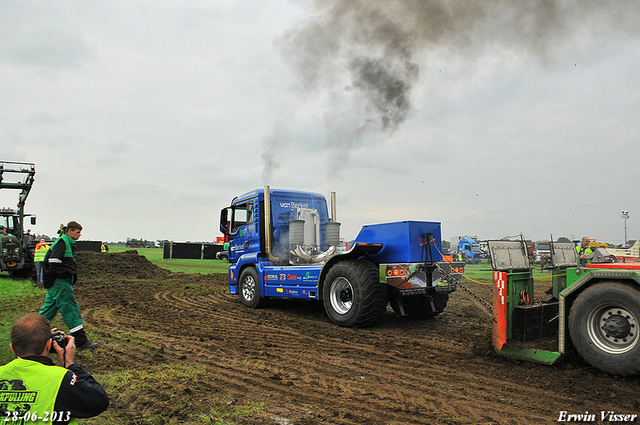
(190, 251)
(88, 246)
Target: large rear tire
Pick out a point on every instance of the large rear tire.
(249, 288)
(353, 295)
(603, 324)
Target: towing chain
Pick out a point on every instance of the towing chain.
(483, 302)
(448, 276)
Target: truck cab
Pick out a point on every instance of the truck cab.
(542, 252)
(244, 225)
(468, 248)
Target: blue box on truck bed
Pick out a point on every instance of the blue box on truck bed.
(403, 241)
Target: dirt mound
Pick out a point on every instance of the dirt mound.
(96, 266)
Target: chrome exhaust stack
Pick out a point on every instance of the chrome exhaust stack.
(267, 227)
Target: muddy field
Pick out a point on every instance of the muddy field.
(303, 369)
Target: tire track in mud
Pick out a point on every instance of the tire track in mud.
(252, 329)
(363, 361)
(353, 367)
(352, 359)
(294, 342)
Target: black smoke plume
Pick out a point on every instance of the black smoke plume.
(365, 56)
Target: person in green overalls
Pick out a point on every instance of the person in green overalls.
(60, 275)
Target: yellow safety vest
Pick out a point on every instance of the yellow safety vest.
(40, 253)
(586, 251)
(30, 388)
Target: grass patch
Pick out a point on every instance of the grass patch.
(157, 396)
(479, 273)
(19, 296)
(483, 273)
(177, 264)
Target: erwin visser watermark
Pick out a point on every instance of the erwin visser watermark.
(602, 416)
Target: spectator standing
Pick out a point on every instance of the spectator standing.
(584, 250)
(38, 258)
(61, 230)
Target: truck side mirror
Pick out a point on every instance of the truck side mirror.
(223, 221)
(33, 221)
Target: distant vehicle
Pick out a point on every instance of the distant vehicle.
(541, 252)
(16, 245)
(142, 244)
(468, 247)
(627, 255)
(222, 255)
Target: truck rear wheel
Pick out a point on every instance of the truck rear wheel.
(353, 295)
(250, 293)
(603, 323)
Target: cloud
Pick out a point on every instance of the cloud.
(39, 34)
(370, 55)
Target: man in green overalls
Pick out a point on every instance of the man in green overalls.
(59, 278)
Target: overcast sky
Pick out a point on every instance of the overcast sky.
(144, 118)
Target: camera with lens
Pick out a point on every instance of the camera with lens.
(58, 337)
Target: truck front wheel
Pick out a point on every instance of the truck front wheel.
(603, 323)
(250, 293)
(353, 295)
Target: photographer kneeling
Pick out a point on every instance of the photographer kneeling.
(34, 389)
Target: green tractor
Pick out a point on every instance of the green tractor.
(16, 246)
(592, 308)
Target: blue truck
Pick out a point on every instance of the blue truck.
(468, 248)
(283, 243)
